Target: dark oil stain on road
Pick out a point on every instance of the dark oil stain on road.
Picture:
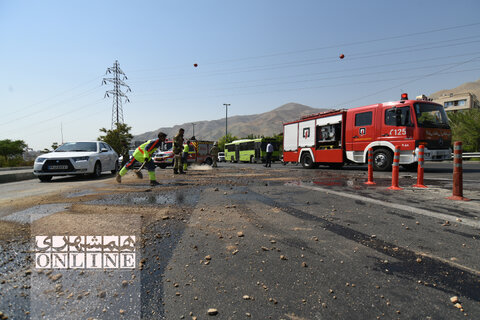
(446, 277)
(180, 197)
(399, 215)
(464, 234)
(160, 239)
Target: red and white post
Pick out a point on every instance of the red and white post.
(395, 169)
(370, 168)
(421, 158)
(457, 173)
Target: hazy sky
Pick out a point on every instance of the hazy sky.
(254, 54)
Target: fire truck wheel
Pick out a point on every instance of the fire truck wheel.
(307, 161)
(382, 160)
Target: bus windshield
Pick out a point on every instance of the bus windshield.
(431, 116)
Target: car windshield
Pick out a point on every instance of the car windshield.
(78, 147)
(431, 116)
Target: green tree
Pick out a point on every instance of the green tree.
(54, 146)
(11, 152)
(466, 128)
(119, 138)
(9, 148)
(225, 139)
(251, 136)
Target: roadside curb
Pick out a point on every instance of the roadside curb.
(12, 177)
(15, 168)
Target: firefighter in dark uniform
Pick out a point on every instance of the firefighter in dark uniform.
(177, 152)
(214, 153)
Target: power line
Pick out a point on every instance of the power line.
(322, 60)
(349, 75)
(340, 45)
(353, 43)
(43, 110)
(343, 84)
(411, 81)
(53, 96)
(69, 112)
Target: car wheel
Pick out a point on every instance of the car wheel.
(382, 160)
(45, 178)
(97, 170)
(116, 168)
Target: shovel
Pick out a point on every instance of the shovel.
(138, 172)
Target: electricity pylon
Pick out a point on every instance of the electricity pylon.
(117, 109)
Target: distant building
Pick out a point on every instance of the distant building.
(454, 102)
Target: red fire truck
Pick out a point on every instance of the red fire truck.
(344, 136)
(199, 152)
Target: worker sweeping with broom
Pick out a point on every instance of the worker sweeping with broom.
(143, 154)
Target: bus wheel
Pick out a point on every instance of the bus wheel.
(382, 160)
(307, 161)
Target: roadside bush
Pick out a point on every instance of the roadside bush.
(15, 162)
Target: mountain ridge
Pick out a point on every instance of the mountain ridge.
(264, 124)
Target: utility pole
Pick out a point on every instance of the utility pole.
(193, 124)
(117, 80)
(226, 115)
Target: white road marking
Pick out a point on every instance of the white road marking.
(441, 216)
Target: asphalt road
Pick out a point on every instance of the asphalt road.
(250, 242)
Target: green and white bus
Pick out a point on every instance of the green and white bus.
(251, 150)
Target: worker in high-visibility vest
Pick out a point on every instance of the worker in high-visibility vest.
(186, 150)
(143, 154)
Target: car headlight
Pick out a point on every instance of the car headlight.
(78, 159)
(40, 159)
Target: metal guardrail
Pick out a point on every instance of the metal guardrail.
(468, 155)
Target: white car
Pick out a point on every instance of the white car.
(74, 158)
(221, 157)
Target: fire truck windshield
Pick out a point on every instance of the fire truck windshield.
(431, 116)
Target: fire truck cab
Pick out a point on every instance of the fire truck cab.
(344, 136)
